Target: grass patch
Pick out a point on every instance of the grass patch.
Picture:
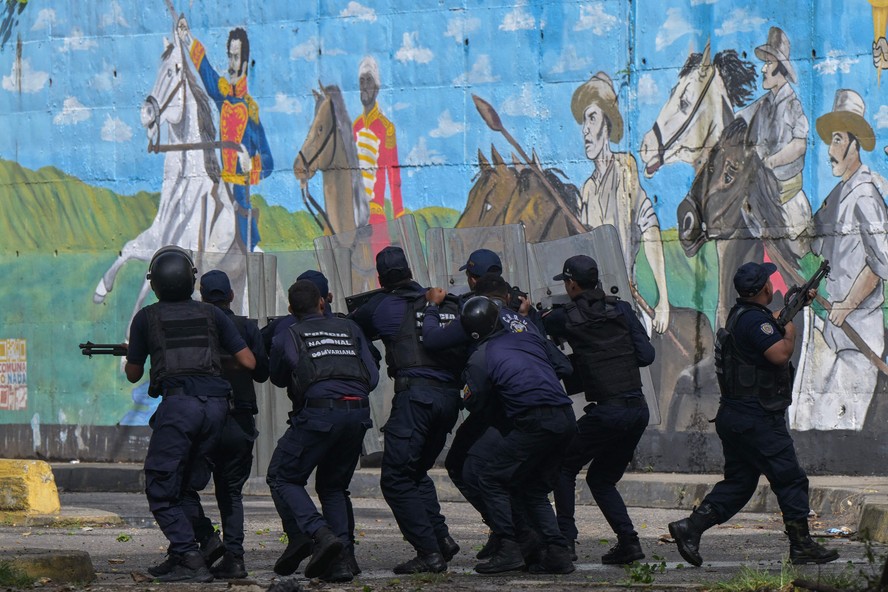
(759, 580)
(10, 576)
(419, 579)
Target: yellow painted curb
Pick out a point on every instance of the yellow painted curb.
(28, 486)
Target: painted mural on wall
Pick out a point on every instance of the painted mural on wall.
(732, 131)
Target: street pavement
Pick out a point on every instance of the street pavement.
(121, 554)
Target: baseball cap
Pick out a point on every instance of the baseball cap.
(215, 286)
(752, 277)
(580, 268)
(482, 261)
(318, 279)
(391, 264)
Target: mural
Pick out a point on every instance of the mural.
(684, 124)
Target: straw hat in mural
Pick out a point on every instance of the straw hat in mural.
(777, 48)
(599, 90)
(847, 116)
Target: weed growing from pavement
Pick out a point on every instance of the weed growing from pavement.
(284, 538)
(10, 576)
(643, 573)
(750, 579)
(429, 578)
(124, 538)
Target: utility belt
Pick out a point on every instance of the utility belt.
(627, 402)
(347, 404)
(402, 383)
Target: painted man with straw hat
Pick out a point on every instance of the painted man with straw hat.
(613, 194)
(849, 231)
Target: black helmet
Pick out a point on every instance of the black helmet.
(172, 274)
(480, 316)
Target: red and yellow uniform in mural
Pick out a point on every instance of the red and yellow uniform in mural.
(378, 158)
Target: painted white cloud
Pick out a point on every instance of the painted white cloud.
(518, 20)
(46, 18)
(73, 111)
(524, 105)
(740, 21)
(459, 27)
(698, 2)
(285, 104)
(594, 18)
(881, 118)
(673, 28)
(31, 80)
(400, 106)
(105, 79)
(570, 61)
(411, 51)
(647, 92)
(480, 73)
(76, 41)
(359, 11)
(447, 127)
(115, 130)
(114, 17)
(422, 155)
(311, 48)
(835, 63)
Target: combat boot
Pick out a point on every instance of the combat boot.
(687, 532)
(230, 568)
(449, 547)
(627, 550)
(572, 547)
(532, 547)
(802, 548)
(352, 561)
(554, 559)
(422, 563)
(327, 547)
(507, 557)
(489, 547)
(339, 570)
(212, 549)
(190, 567)
(298, 548)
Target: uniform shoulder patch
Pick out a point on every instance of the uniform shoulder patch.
(767, 328)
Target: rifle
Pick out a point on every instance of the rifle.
(103, 349)
(797, 297)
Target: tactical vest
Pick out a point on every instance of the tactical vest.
(741, 377)
(184, 341)
(604, 354)
(405, 350)
(241, 381)
(328, 350)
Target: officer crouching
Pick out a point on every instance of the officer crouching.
(752, 360)
(185, 340)
(327, 361)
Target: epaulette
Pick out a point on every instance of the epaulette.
(390, 140)
(252, 108)
(224, 86)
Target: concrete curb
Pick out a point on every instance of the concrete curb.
(59, 566)
(68, 517)
(27, 486)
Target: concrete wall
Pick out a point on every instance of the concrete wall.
(705, 136)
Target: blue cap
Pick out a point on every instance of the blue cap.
(215, 286)
(580, 268)
(391, 264)
(318, 279)
(752, 277)
(483, 261)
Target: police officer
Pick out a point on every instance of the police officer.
(328, 364)
(609, 345)
(185, 340)
(513, 368)
(233, 458)
(480, 262)
(424, 409)
(755, 378)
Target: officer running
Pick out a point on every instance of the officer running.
(424, 409)
(329, 365)
(185, 340)
(755, 378)
(609, 345)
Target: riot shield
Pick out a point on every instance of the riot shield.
(602, 244)
(249, 274)
(449, 248)
(290, 265)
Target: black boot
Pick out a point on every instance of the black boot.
(449, 547)
(532, 546)
(554, 559)
(327, 547)
(507, 557)
(627, 550)
(165, 566)
(489, 547)
(190, 567)
(802, 548)
(212, 549)
(572, 547)
(230, 568)
(339, 570)
(298, 548)
(352, 561)
(687, 532)
(422, 563)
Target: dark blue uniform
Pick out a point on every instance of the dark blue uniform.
(607, 435)
(755, 441)
(325, 435)
(185, 430)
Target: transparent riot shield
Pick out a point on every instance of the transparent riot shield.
(348, 259)
(290, 265)
(249, 276)
(449, 249)
(602, 244)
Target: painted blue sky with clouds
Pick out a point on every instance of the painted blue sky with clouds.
(88, 65)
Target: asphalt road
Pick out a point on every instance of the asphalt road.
(752, 540)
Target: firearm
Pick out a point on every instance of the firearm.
(515, 296)
(352, 303)
(797, 297)
(103, 349)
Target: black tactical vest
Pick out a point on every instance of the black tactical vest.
(328, 350)
(742, 377)
(241, 381)
(604, 354)
(184, 340)
(405, 350)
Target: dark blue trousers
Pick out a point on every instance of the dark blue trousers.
(753, 446)
(415, 434)
(607, 436)
(328, 440)
(185, 431)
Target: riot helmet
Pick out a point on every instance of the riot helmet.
(172, 274)
(480, 316)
